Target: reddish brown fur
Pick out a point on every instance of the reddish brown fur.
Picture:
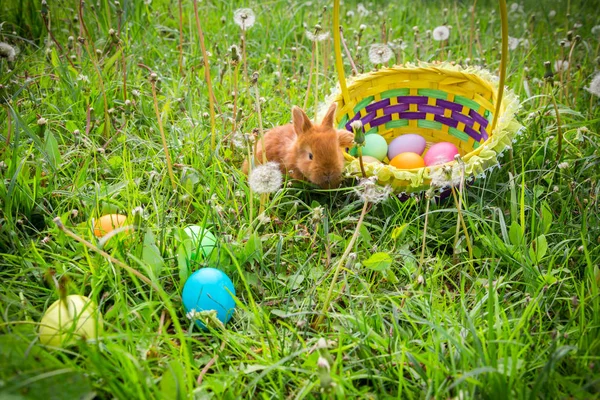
(291, 144)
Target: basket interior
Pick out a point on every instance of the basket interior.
(439, 105)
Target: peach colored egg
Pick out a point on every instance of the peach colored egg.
(407, 160)
(108, 223)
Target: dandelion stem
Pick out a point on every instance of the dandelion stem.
(352, 65)
(424, 231)
(339, 265)
(163, 137)
(559, 133)
(312, 64)
(360, 161)
(211, 96)
(180, 38)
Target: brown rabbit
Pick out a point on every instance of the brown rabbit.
(306, 151)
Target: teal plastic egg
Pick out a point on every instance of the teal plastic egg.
(375, 146)
(203, 241)
(209, 289)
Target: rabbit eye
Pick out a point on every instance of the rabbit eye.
(310, 156)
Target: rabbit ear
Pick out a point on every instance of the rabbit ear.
(328, 120)
(345, 138)
(301, 121)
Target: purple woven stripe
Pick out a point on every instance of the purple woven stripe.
(413, 115)
(482, 121)
(381, 120)
(413, 99)
(395, 109)
(462, 118)
(448, 104)
(446, 121)
(484, 133)
(377, 105)
(431, 109)
(473, 133)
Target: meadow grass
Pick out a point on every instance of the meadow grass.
(81, 138)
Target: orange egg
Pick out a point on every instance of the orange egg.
(108, 223)
(408, 160)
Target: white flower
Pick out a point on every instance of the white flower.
(446, 176)
(594, 87)
(369, 191)
(83, 78)
(317, 37)
(441, 33)
(379, 53)
(265, 178)
(563, 165)
(7, 51)
(561, 65)
(244, 18)
(42, 121)
(362, 10)
(513, 43)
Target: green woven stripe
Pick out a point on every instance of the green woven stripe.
(488, 115)
(372, 130)
(473, 105)
(397, 124)
(343, 122)
(388, 94)
(423, 123)
(363, 103)
(476, 145)
(438, 94)
(456, 133)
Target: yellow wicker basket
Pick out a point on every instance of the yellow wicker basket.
(468, 107)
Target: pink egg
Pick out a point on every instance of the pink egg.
(440, 153)
(409, 143)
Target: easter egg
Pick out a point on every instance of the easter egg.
(375, 146)
(64, 321)
(108, 223)
(203, 241)
(369, 159)
(440, 153)
(406, 143)
(407, 160)
(209, 289)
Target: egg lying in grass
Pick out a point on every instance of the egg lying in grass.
(108, 223)
(76, 317)
(408, 160)
(203, 241)
(209, 289)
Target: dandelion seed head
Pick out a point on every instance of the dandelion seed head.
(563, 165)
(594, 87)
(441, 33)
(265, 178)
(362, 10)
(7, 51)
(513, 43)
(596, 31)
(552, 14)
(244, 18)
(379, 53)
(561, 65)
(446, 176)
(369, 191)
(317, 37)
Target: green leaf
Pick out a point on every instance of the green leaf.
(515, 234)
(398, 231)
(172, 384)
(253, 248)
(151, 254)
(52, 149)
(378, 262)
(538, 248)
(546, 221)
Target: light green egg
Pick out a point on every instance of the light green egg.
(375, 146)
(203, 240)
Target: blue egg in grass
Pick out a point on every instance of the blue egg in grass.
(209, 289)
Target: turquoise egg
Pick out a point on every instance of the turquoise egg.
(209, 289)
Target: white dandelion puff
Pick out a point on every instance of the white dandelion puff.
(446, 176)
(379, 53)
(441, 33)
(7, 51)
(596, 31)
(244, 18)
(563, 165)
(362, 10)
(552, 14)
(265, 178)
(369, 191)
(561, 65)
(513, 43)
(317, 37)
(594, 87)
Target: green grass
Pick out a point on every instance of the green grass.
(521, 319)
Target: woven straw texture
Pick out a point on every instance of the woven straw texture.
(440, 102)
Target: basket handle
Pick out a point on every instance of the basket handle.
(339, 64)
